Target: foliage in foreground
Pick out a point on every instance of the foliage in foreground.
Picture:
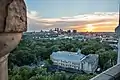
(27, 73)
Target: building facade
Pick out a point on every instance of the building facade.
(75, 60)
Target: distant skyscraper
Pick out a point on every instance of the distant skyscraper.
(57, 29)
(74, 31)
(117, 30)
(68, 31)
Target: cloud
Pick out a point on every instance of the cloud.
(33, 15)
(79, 22)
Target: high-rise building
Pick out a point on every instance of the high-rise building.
(74, 31)
(68, 31)
(57, 29)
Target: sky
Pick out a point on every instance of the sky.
(82, 15)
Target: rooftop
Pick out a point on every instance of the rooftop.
(91, 58)
(74, 56)
(68, 56)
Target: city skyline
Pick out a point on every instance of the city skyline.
(81, 15)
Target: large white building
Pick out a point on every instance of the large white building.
(75, 60)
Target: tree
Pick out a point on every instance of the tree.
(83, 77)
(107, 59)
(16, 77)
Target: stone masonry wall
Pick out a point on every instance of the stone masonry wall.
(13, 17)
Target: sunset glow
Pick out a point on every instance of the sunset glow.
(89, 28)
(102, 26)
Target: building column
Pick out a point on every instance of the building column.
(4, 68)
(118, 59)
(13, 22)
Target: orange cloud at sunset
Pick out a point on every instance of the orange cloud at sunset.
(97, 28)
(104, 26)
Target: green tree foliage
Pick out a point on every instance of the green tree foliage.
(107, 59)
(31, 51)
(83, 77)
(27, 73)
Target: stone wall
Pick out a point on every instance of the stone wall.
(13, 16)
(112, 73)
(13, 21)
